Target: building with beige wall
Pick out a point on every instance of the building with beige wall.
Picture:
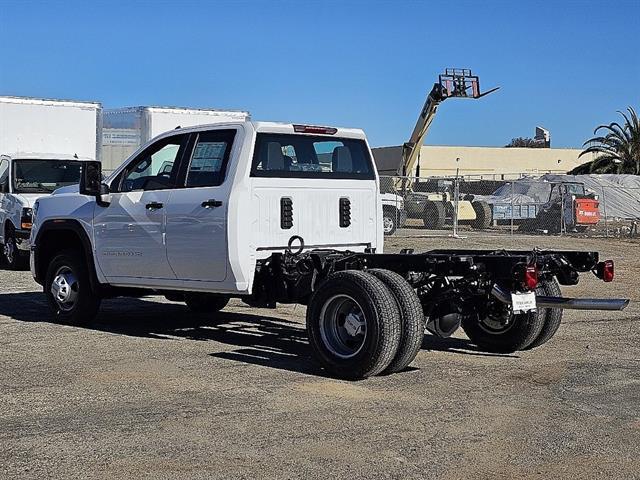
(485, 162)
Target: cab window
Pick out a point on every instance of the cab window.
(155, 168)
(209, 159)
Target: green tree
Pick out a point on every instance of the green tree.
(523, 142)
(617, 147)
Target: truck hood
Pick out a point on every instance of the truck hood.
(28, 199)
(67, 189)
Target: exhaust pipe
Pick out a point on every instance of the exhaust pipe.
(612, 304)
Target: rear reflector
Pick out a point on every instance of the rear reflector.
(314, 129)
(531, 277)
(605, 270)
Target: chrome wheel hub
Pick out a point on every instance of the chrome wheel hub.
(499, 319)
(64, 288)
(9, 250)
(387, 224)
(343, 326)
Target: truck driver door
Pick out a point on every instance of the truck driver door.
(130, 231)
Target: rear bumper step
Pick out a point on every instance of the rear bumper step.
(613, 304)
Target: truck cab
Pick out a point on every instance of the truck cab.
(24, 178)
(198, 208)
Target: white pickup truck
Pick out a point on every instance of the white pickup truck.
(283, 213)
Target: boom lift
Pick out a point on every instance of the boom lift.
(435, 208)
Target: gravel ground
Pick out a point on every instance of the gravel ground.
(152, 391)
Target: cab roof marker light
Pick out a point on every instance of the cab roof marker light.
(314, 129)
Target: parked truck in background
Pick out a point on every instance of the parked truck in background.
(125, 129)
(42, 143)
(287, 213)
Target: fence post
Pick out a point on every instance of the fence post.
(604, 212)
(456, 194)
(512, 194)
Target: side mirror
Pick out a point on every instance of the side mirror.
(91, 179)
(4, 186)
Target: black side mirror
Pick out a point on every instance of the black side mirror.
(4, 186)
(91, 179)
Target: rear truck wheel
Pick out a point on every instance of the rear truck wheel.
(68, 289)
(353, 324)
(552, 317)
(433, 215)
(502, 331)
(13, 258)
(412, 322)
(205, 303)
(390, 220)
(483, 215)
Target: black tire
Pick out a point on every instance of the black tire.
(205, 303)
(412, 321)
(433, 215)
(12, 257)
(390, 219)
(366, 298)
(521, 331)
(484, 217)
(552, 317)
(84, 308)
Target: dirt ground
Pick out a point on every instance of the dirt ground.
(152, 391)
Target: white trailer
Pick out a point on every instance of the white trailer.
(125, 129)
(42, 143)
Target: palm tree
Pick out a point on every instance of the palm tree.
(618, 149)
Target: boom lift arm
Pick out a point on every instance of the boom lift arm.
(454, 82)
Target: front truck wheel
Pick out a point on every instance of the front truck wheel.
(390, 220)
(552, 317)
(502, 331)
(205, 303)
(68, 289)
(353, 324)
(412, 322)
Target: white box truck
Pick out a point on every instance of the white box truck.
(42, 143)
(125, 129)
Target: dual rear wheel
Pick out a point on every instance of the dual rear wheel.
(363, 323)
(502, 331)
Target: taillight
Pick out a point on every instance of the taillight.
(531, 277)
(605, 270)
(314, 129)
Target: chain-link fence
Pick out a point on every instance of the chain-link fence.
(439, 206)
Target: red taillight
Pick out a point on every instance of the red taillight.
(604, 270)
(314, 129)
(531, 277)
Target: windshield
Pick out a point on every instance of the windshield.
(310, 156)
(44, 176)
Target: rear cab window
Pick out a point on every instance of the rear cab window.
(311, 156)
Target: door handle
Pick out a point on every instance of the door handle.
(154, 205)
(211, 203)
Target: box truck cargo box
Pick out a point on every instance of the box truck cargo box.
(42, 146)
(125, 129)
(37, 125)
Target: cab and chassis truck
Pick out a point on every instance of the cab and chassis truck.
(284, 213)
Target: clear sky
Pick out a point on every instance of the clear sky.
(565, 65)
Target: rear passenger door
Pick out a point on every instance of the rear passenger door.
(197, 213)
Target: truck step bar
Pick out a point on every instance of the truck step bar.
(567, 303)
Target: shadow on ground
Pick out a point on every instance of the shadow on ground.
(260, 340)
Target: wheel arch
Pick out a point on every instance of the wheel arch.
(55, 235)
